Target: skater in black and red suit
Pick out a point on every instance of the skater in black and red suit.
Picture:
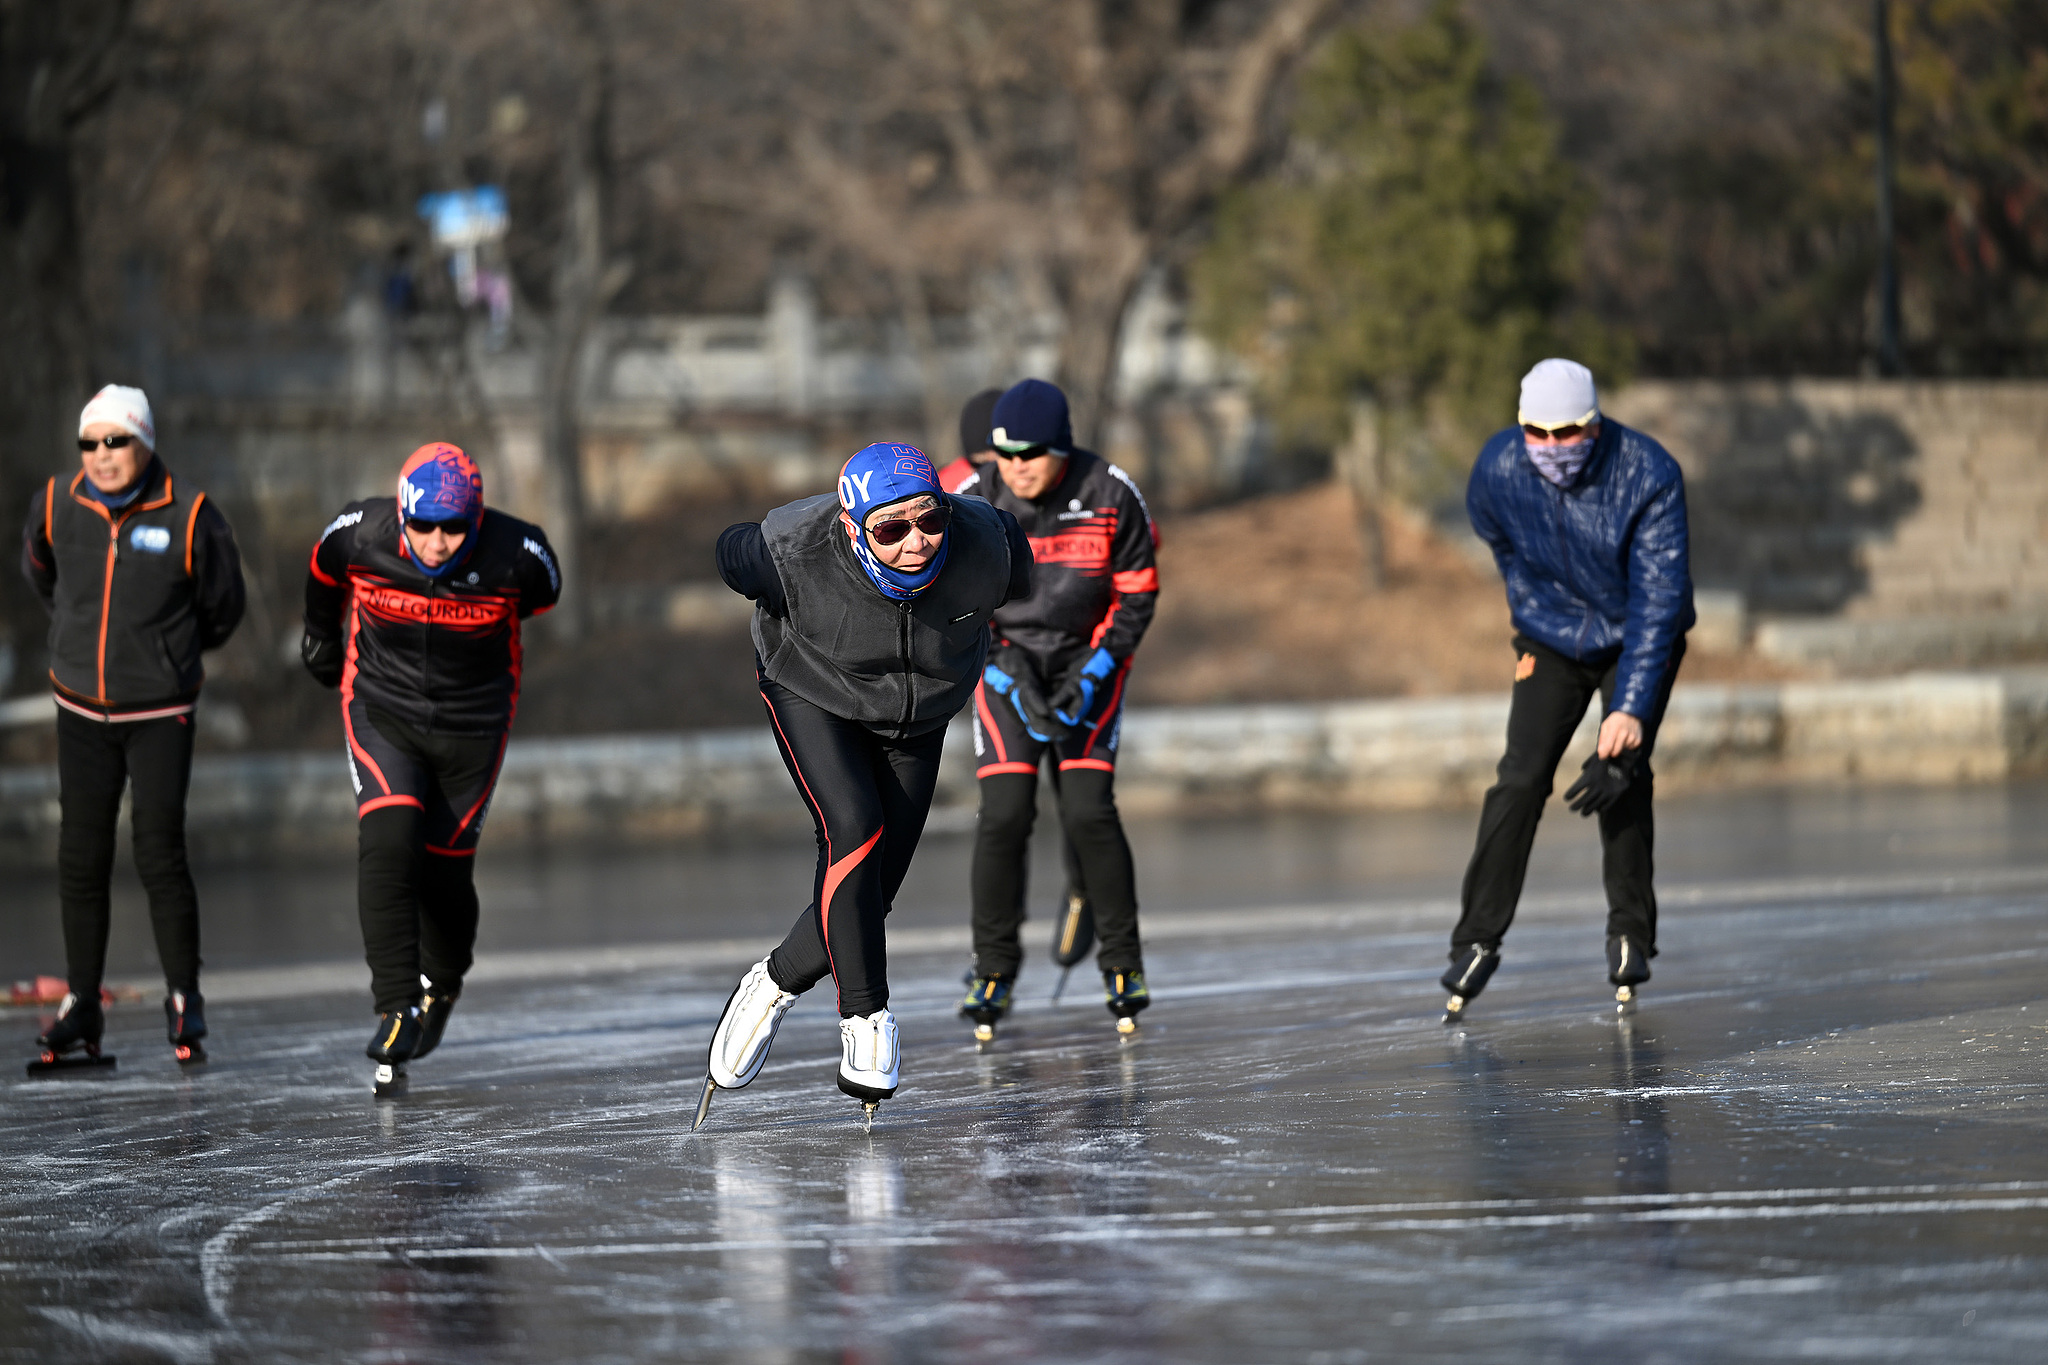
(1053, 693)
(413, 608)
(140, 575)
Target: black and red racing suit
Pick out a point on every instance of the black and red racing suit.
(1095, 586)
(429, 672)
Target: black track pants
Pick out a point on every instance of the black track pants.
(95, 760)
(417, 900)
(868, 798)
(1088, 818)
(1548, 705)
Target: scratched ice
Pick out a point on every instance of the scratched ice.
(1822, 1135)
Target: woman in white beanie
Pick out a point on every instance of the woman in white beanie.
(140, 574)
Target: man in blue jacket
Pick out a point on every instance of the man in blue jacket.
(1586, 520)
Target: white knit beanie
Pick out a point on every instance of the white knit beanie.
(1558, 393)
(126, 408)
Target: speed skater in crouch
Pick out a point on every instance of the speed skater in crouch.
(1053, 693)
(413, 609)
(870, 632)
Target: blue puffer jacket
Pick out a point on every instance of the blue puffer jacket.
(1597, 570)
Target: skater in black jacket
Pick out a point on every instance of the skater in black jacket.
(140, 575)
(413, 609)
(1053, 694)
(870, 632)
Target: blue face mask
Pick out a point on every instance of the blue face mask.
(877, 476)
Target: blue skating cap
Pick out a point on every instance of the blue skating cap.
(883, 473)
(1032, 413)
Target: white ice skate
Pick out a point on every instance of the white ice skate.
(746, 1030)
(869, 1059)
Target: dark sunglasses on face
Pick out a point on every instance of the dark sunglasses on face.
(1027, 453)
(931, 522)
(120, 442)
(454, 526)
(1570, 432)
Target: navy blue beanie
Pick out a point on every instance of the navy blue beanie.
(1032, 413)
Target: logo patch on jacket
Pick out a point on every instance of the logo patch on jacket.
(155, 539)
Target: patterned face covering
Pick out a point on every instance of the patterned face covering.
(1563, 464)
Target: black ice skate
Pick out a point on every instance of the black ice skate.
(393, 1044)
(1125, 994)
(1471, 966)
(988, 1000)
(73, 1042)
(185, 1023)
(1628, 966)
(436, 1004)
(1073, 935)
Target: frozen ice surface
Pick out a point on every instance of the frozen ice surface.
(1821, 1136)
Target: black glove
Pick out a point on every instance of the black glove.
(1601, 783)
(323, 658)
(1010, 676)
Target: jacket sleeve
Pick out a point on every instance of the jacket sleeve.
(1479, 511)
(38, 558)
(1133, 574)
(1021, 559)
(218, 592)
(745, 565)
(327, 578)
(1659, 600)
(539, 574)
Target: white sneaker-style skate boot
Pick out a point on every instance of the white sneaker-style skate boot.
(739, 1045)
(869, 1058)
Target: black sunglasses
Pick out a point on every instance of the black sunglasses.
(931, 522)
(120, 442)
(1570, 431)
(1027, 453)
(454, 526)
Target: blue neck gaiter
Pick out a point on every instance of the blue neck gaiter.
(877, 476)
(117, 501)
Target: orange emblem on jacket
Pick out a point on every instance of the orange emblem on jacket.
(1525, 667)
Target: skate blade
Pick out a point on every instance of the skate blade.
(188, 1054)
(1127, 1026)
(389, 1082)
(867, 1114)
(984, 1037)
(1624, 1000)
(88, 1064)
(1454, 1009)
(1061, 987)
(704, 1104)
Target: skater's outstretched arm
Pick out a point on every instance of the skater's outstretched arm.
(744, 564)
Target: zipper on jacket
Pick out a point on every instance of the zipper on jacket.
(1564, 555)
(903, 636)
(107, 598)
(427, 653)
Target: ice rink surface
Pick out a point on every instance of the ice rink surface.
(1823, 1135)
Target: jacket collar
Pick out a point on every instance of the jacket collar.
(157, 491)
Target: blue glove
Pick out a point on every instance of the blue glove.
(1011, 680)
(1075, 702)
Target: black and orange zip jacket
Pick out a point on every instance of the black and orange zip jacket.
(134, 593)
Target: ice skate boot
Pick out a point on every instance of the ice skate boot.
(746, 1030)
(1471, 967)
(391, 1047)
(1073, 935)
(1125, 994)
(436, 1004)
(1628, 966)
(869, 1060)
(988, 1000)
(73, 1042)
(185, 1024)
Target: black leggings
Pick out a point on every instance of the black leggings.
(1088, 818)
(868, 798)
(95, 759)
(1548, 705)
(417, 900)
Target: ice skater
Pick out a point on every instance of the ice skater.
(413, 609)
(977, 452)
(1053, 692)
(140, 575)
(1586, 520)
(870, 631)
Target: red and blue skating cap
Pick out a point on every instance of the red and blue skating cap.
(440, 483)
(1032, 413)
(886, 472)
